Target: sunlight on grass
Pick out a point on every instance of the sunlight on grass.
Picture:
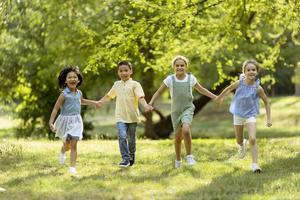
(218, 174)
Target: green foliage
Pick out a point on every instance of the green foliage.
(38, 38)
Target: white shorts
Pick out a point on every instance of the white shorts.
(237, 120)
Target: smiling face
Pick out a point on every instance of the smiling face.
(250, 71)
(180, 67)
(72, 80)
(124, 72)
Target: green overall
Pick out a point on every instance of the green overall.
(182, 107)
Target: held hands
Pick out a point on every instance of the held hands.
(99, 104)
(148, 108)
(219, 99)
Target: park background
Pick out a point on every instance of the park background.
(38, 38)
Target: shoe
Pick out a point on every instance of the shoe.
(62, 158)
(131, 160)
(190, 160)
(72, 170)
(177, 163)
(124, 163)
(243, 149)
(256, 168)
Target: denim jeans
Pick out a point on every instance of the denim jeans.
(126, 139)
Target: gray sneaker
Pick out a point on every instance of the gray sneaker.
(177, 163)
(243, 149)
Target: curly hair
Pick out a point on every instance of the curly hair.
(63, 76)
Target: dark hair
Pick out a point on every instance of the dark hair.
(125, 62)
(63, 76)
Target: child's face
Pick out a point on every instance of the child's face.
(180, 67)
(72, 80)
(250, 71)
(124, 72)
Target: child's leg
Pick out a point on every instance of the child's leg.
(177, 143)
(186, 132)
(239, 133)
(73, 154)
(131, 139)
(122, 131)
(65, 147)
(252, 140)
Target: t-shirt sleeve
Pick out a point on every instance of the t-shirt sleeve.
(112, 92)
(168, 81)
(193, 80)
(138, 90)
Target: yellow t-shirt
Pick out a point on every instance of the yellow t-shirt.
(127, 95)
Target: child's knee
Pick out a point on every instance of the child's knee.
(252, 141)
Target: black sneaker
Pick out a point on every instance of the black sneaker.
(124, 163)
(131, 161)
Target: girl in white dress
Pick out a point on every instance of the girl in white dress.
(68, 126)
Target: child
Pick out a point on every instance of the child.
(182, 109)
(68, 126)
(128, 94)
(245, 107)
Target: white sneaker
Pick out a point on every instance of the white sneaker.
(72, 170)
(62, 158)
(190, 160)
(177, 163)
(243, 149)
(256, 168)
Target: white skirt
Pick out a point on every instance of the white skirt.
(68, 125)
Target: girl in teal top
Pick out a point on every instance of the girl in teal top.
(68, 125)
(181, 84)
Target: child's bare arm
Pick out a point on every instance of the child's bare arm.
(103, 100)
(157, 94)
(143, 102)
(228, 89)
(264, 97)
(59, 102)
(204, 91)
(88, 102)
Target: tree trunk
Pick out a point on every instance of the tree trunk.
(297, 89)
(163, 128)
(147, 82)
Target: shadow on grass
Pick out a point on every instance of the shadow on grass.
(234, 185)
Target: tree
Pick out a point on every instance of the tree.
(39, 37)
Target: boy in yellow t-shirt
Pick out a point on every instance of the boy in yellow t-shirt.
(128, 94)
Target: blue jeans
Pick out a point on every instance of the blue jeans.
(127, 139)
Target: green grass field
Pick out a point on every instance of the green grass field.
(29, 169)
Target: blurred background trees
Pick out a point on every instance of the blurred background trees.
(38, 38)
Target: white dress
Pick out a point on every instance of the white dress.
(69, 122)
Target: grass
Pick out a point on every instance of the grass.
(213, 121)
(30, 170)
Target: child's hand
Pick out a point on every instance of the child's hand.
(269, 123)
(151, 108)
(52, 128)
(99, 104)
(218, 100)
(148, 108)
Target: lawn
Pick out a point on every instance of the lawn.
(29, 168)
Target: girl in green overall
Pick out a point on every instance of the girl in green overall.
(182, 108)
